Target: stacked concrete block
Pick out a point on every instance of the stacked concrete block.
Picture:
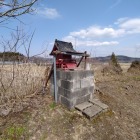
(74, 87)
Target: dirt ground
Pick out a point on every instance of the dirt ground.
(44, 120)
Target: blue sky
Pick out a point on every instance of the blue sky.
(97, 26)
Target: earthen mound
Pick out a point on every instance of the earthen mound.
(111, 70)
(134, 67)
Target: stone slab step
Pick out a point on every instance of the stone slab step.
(92, 111)
(98, 103)
(91, 108)
(83, 106)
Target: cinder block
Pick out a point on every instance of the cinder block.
(68, 103)
(87, 82)
(60, 74)
(75, 101)
(82, 74)
(76, 84)
(81, 92)
(73, 94)
(82, 99)
(89, 73)
(71, 75)
(62, 91)
(67, 84)
(71, 85)
(76, 75)
(85, 73)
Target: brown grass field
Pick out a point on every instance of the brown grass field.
(36, 117)
(19, 82)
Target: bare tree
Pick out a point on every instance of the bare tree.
(18, 80)
(15, 8)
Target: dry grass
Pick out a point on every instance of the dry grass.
(46, 120)
(125, 66)
(18, 82)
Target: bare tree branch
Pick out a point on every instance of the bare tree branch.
(16, 8)
(28, 55)
(40, 53)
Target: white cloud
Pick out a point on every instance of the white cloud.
(104, 36)
(88, 43)
(131, 26)
(98, 32)
(49, 13)
(105, 43)
(121, 20)
(130, 23)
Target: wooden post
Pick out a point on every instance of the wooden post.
(85, 60)
(80, 61)
(49, 76)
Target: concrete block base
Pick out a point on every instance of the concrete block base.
(74, 87)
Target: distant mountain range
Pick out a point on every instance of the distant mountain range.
(121, 59)
(16, 56)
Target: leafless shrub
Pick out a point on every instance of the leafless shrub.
(18, 81)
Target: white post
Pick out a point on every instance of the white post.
(55, 85)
